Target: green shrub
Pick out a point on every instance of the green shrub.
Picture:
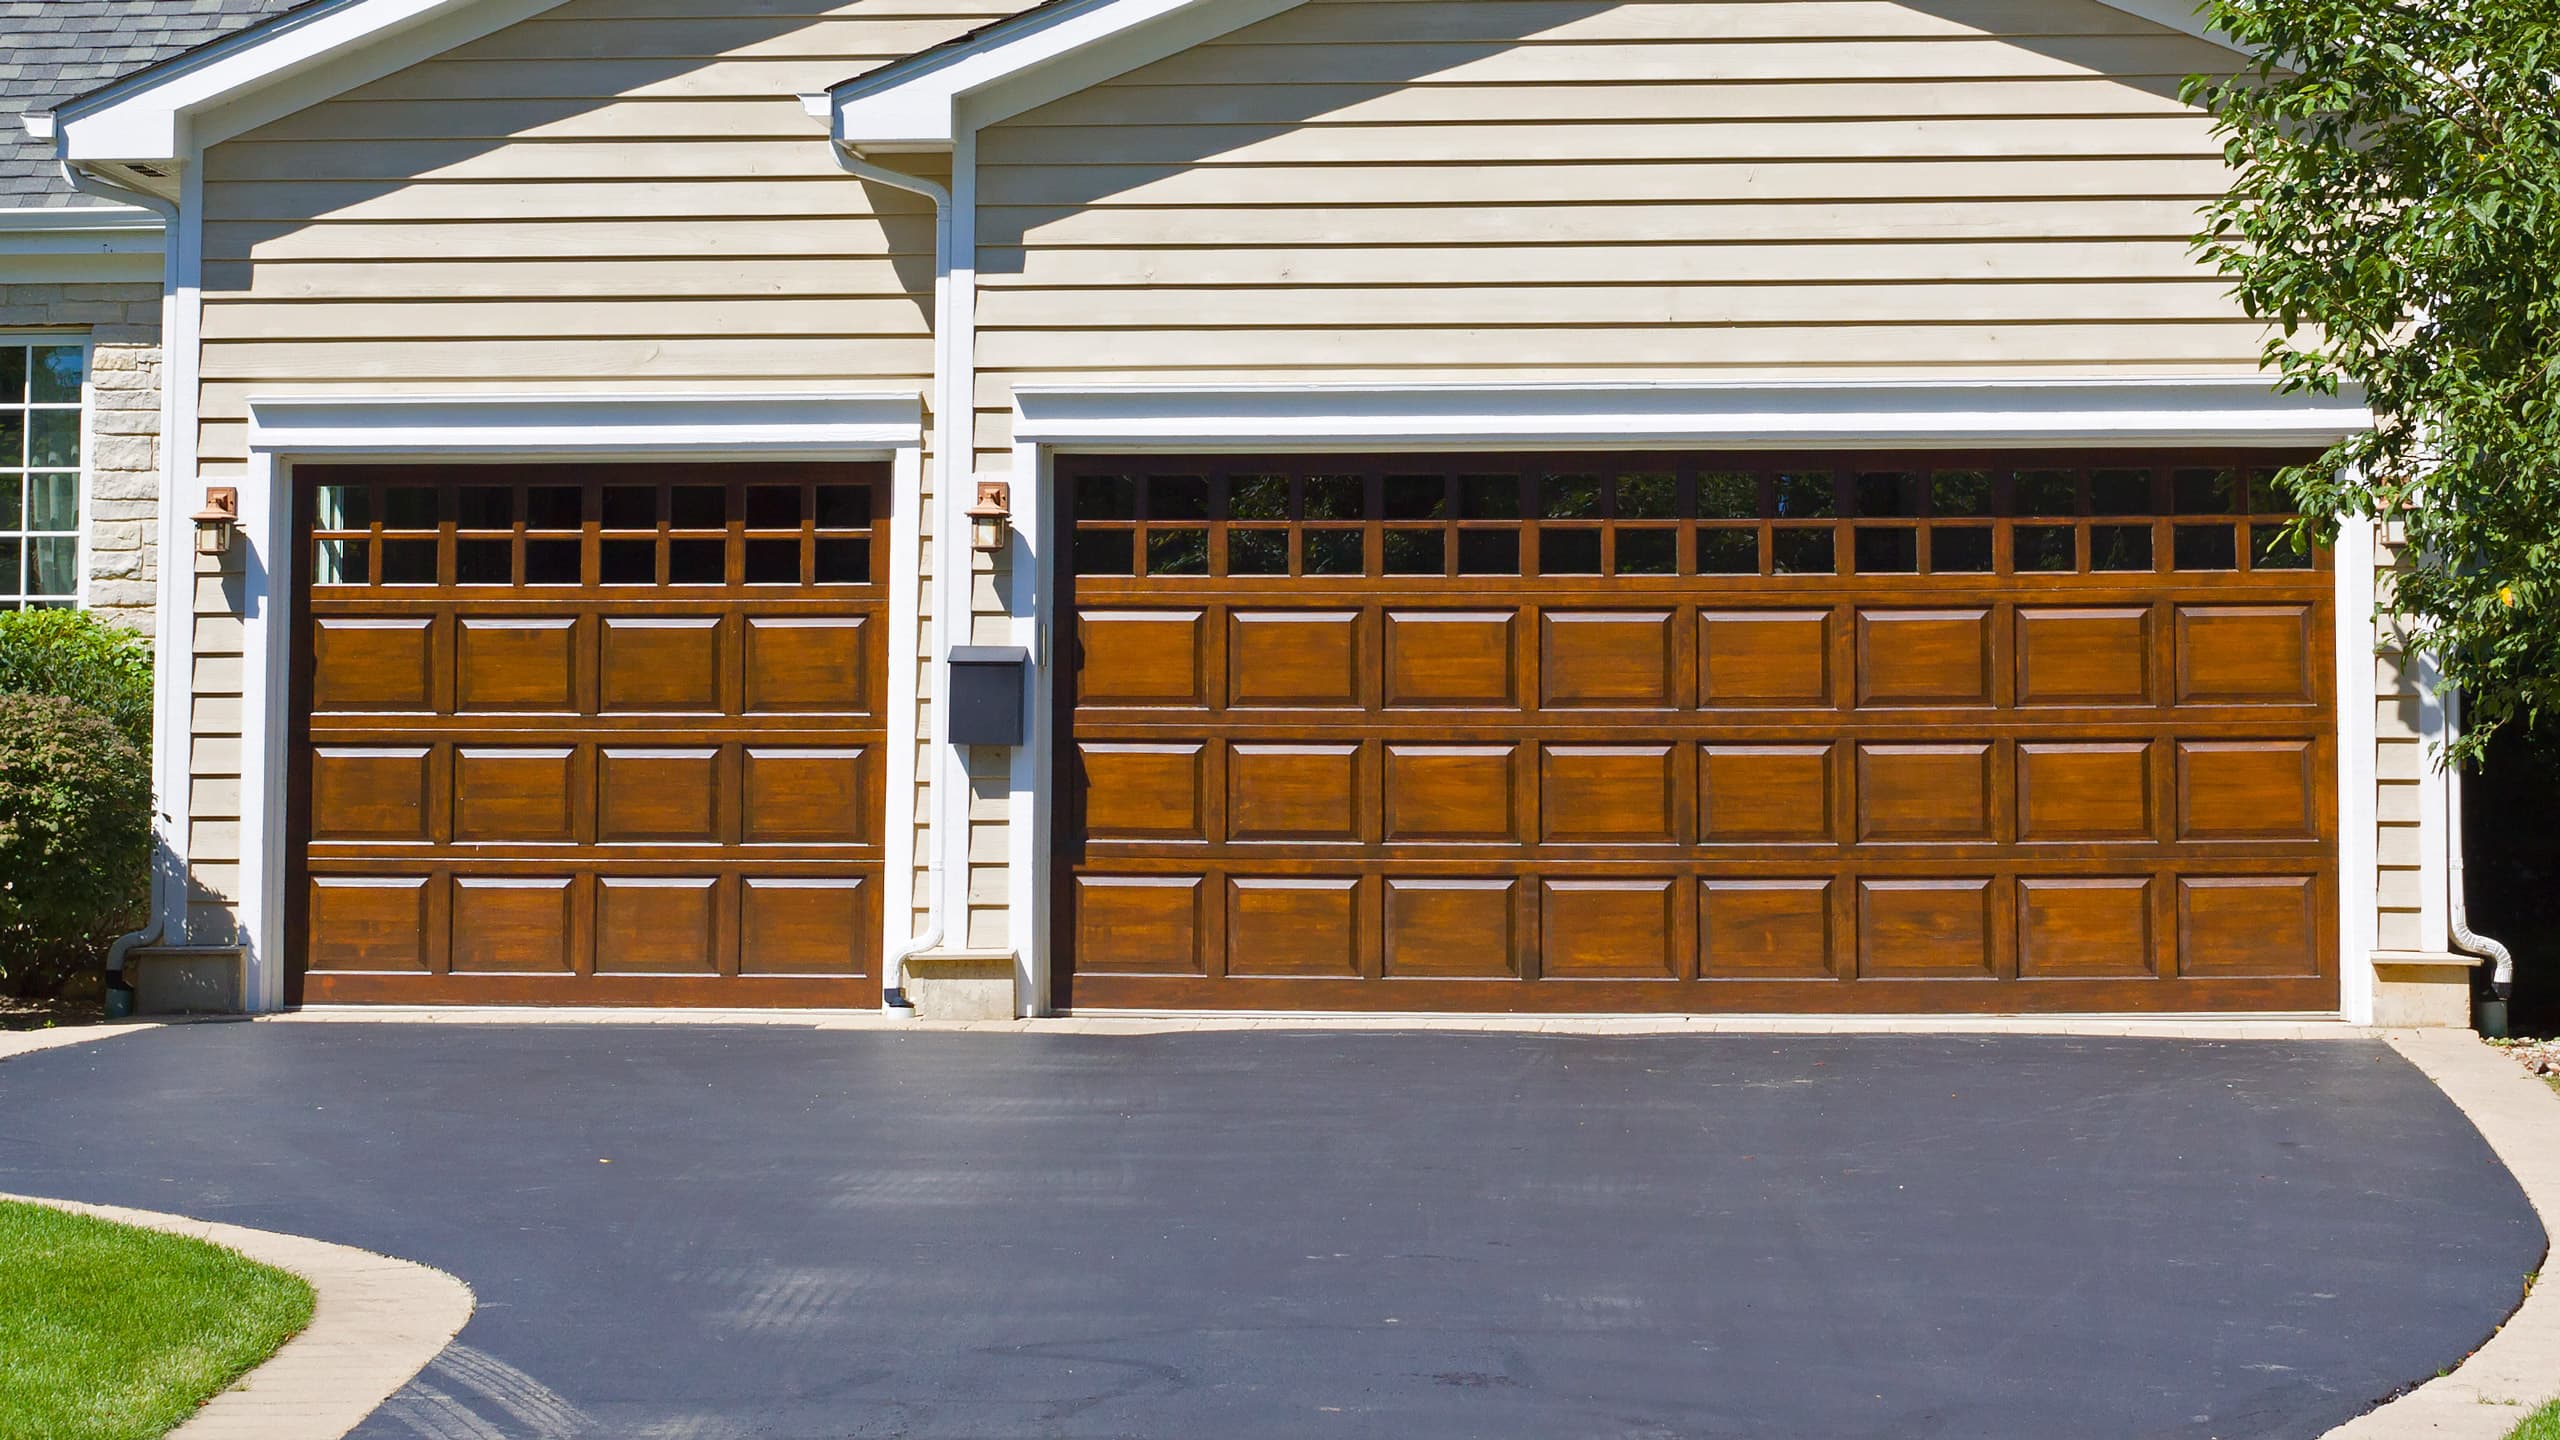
(75, 839)
(74, 654)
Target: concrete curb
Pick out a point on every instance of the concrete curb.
(14, 1043)
(375, 1322)
(2519, 1367)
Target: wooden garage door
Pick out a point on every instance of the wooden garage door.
(590, 735)
(1757, 732)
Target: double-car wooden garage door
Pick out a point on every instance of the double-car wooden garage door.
(577, 735)
(1821, 732)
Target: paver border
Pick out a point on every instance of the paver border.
(375, 1322)
(2517, 1368)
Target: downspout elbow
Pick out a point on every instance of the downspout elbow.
(2458, 931)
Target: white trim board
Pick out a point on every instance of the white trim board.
(2240, 410)
(463, 428)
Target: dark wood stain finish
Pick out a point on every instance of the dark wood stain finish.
(1693, 732)
(586, 734)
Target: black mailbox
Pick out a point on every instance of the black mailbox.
(987, 693)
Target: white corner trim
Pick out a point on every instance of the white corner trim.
(915, 103)
(2239, 410)
(516, 426)
(146, 116)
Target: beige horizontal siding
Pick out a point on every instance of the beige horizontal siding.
(1545, 189)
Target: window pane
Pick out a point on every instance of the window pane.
(2043, 549)
(484, 562)
(1105, 552)
(1178, 497)
(698, 507)
(1886, 493)
(12, 513)
(2205, 547)
(13, 376)
(1106, 497)
(631, 507)
(1488, 552)
(1892, 550)
(844, 561)
(2047, 492)
(1960, 549)
(628, 562)
(1258, 497)
(9, 556)
(1960, 492)
(697, 562)
(408, 562)
(1334, 497)
(844, 507)
(2119, 547)
(53, 438)
(1416, 552)
(54, 374)
(1728, 495)
(1801, 551)
(1568, 552)
(774, 562)
(1416, 497)
(1807, 495)
(1333, 552)
(551, 562)
(1648, 552)
(1257, 552)
(2120, 492)
(53, 565)
(1489, 497)
(2271, 548)
(409, 507)
(53, 502)
(1729, 552)
(484, 507)
(343, 507)
(1569, 497)
(1177, 552)
(775, 507)
(2205, 492)
(561, 507)
(2266, 497)
(340, 562)
(13, 438)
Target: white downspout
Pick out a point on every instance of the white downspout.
(950, 610)
(163, 919)
(2502, 971)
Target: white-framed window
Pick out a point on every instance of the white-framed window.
(44, 440)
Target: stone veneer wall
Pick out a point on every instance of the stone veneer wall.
(121, 509)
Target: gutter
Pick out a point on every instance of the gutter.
(2502, 962)
(951, 575)
(173, 648)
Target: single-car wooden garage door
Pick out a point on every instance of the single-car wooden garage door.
(1818, 732)
(589, 735)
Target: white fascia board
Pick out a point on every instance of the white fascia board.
(83, 220)
(1040, 56)
(751, 425)
(2240, 410)
(147, 116)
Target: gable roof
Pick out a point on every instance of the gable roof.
(60, 48)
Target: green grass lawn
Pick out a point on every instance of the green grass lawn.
(2542, 1424)
(113, 1333)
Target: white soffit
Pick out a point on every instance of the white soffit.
(746, 424)
(1739, 415)
(268, 71)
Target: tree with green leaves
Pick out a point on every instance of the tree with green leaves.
(2396, 216)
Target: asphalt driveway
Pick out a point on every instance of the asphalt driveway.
(707, 1233)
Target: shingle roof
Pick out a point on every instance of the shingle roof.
(52, 50)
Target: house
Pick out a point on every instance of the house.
(1527, 505)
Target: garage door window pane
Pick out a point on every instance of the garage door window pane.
(1258, 497)
(483, 562)
(844, 562)
(1416, 552)
(2120, 492)
(2206, 547)
(1416, 497)
(1960, 549)
(2120, 547)
(844, 507)
(1178, 497)
(1648, 552)
(2046, 492)
(1888, 493)
(631, 507)
(1893, 550)
(408, 507)
(1806, 495)
(340, 562)
(698, 507)
(773, 562)
(485, 507)
(1569, 497)
(1728, 552)
(1960, 492)
(1489, 552)
(773, 507)
(628, 562)
(1106, 497)
(1649, 495)
(1728, 495)
(2043, 549)
(697, 562)
(1334, 552)
(408, 562)
(1334, 497)
(1105, 552)
(2271, 548)
(1568, 552)
(1178, 552)
(1257, 552)
(1795, 551)
(1489, 497)
(551, 562)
